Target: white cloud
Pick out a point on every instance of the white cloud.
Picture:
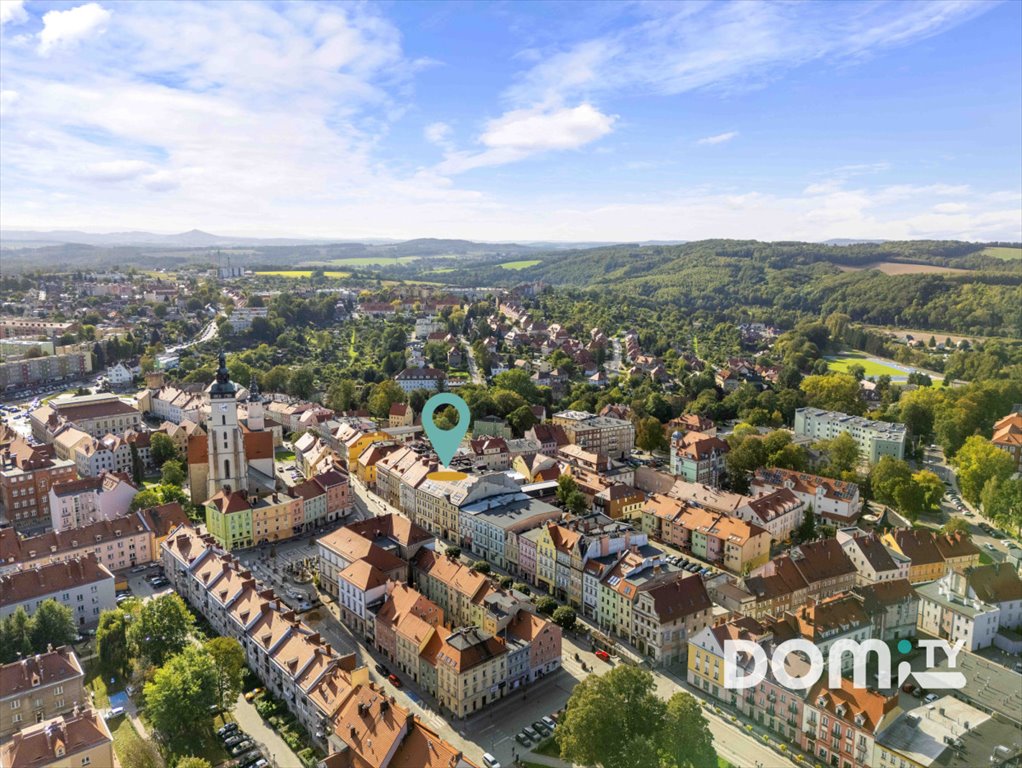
(13, 11)
(114, 170)
(7, 100)
(720, 138)
(61, 28)
(521, 133)
(679, 47)
(438, 134)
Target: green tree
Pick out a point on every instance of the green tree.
(745, 456)
(807, 528)
(546, 605)
(649, 434)
(977, 461)
(453, 552)
(1002, 501)
(480, 566)
(301, 383)
(161, 448)
(15, 636)
(173, 473)
(833, 392)
(842, 453)
(342, 395)
(520, 382)
(182, 692)
(384, 395)
(616, 720)
(564, 617)
(955, 525)
(112, 643)
(193, 762)
(139, 753)
(53, 624)
(145, 499)
(887, 476)
(229, 661)
(161, 629)
(521, 419)
(932, 488)
(566, 485)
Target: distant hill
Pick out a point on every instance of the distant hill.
(192, 239)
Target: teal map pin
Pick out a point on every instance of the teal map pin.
(445, 441)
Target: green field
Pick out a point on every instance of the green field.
(520, 264)
(873, 367)
(999, 252)
(361, 261)
(301, 273)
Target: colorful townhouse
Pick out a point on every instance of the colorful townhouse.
(737, 545)
(932, 554)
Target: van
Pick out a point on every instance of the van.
(490, 761)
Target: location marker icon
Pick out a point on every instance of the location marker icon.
(445, 441)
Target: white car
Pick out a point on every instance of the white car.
(990, 546)
(490, 761)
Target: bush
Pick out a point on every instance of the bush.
(480, 566)
(521, 586)
(546, 605)
(308, 757)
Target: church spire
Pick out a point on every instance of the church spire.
(223, 384)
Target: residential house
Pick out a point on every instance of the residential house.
(834, 500)
(79, 738)
(931, 554)
(39, 687)
(873, 561)
(82, 584)
(974, 605)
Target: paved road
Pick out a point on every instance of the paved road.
(473, 367)
(614, 364)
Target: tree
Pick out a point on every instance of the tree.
(977, 461)
(649, 434)
(521, 586)
(521, 419)
(161, 629)
(182, 692)
(616, 720)
(229, 660)
(566, 485)
(955, 525)
(546, 605)
(564, 617)
(453, 552)
(161, 448)
(173, 473)
(807, 528)
(576, 503)
(887, 476)
(687, 733)
(53, 624)
(341, 396)
(112, 643)
(480, 566)
(193, 762)
(384, 395)
(842, 453)
(833, 392)
(745, 456)
(15, 636)
(139, 753)
(932, 488)
(1002, 501)
(145, 499)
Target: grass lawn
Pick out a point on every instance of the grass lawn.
(550, 748)
(722, 763)
(984, 558)
(999, 252)
(873, 367)
(124, 734)
(520, 264)
(441, 270)
(283, 454)
(100, 686)
(301, 273)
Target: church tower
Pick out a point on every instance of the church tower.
(227, 465)
(256, 417)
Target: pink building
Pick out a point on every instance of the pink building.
(338, 493)
(544, 638)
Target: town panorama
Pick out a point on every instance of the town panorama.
(525, 386)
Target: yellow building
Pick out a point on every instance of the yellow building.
(273, 518)
(354, 444)
(932, 554)
(365, 465)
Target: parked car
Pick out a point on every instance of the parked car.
(254, 760)
(540, 727)
(138, 569)
(394, 680)
(531, 733)
(490, 761)
(382, 670)
(227, 728)
(237, 737)
(930, 698)
(522, 739)
(990, 546)
(918, 693)
(908, 687)
(253, 693)
(550, 723)
(244, 746)
(602, 655)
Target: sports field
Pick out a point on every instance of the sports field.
(873, 366)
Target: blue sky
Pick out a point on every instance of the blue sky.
(515, 121)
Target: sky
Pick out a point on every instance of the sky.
(514, 121)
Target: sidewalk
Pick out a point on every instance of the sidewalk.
(275, 748)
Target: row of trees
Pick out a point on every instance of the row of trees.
(21, 635)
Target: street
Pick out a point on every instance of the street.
(493, 729)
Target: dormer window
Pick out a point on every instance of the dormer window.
(840, 710)
(860, 719)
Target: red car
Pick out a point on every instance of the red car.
(603, 656)
(394, 680)
(908, 687)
